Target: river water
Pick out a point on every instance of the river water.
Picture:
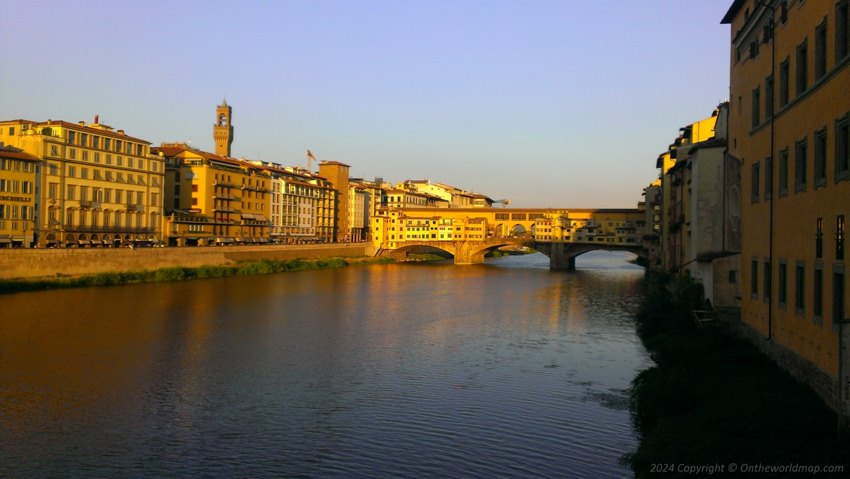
(398, 370)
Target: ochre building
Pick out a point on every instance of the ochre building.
(18, 175)
(98, 186)
(789, 124)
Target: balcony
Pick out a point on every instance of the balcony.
(221, 196)
(92, 205)
(108, 229)
(135, 207)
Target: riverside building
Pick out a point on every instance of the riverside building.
(789, 125)
(214, 200)
(97, 186)
(18, 176)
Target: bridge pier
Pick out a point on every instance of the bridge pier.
(559, 258)
(465, 253)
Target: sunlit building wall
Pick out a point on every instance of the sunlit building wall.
(19, 173)
(98, 186)
(789, 125)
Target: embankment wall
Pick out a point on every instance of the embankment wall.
(38, 263)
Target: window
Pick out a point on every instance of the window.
(839, 237)
(84, 140)
(784, 73)
(802, 67)
(95, 142)
(820, 51)
(783, 284)
(72, 172)
(53, 191)
(755, 181)
(820, 158)
(733, 276)
(754, 49)
(72, 192)
(842, 30)
(819, 239)
(800, 166)
(107, 143)
(800, 288)
(768, 178)
(842, 149)
(72, 137)
(783, 12)
(756, 120)
(817, 297)
(768, 97)
(767, 280)
(84, 193)
(837, 294)
(84, 173)
(754, 278)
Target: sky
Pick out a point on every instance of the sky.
(562, 103)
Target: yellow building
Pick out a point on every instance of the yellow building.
(789, 125)
(18, 176)
(98, 186)
(337, 174)
(620, 227)
(211, 199)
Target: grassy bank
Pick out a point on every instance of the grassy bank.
(265, 266)
(713, 398)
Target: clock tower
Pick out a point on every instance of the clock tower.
(223, 129)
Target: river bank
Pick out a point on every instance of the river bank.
(114, 278)
(47, 263)
(713, 398)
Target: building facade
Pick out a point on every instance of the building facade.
(98, 186)
(302, 209)
(789, 125)
(337, 174)
(211, 199)
(19, 172)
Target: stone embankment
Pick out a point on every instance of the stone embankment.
(41, 263)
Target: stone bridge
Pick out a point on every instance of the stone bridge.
(464, 252)
(562, 256)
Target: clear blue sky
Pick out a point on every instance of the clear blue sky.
(563, 103)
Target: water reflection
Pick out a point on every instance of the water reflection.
(503, 369)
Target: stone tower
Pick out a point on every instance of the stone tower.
(223, 129)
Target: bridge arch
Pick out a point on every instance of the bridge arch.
(464, 252)
(519, 230)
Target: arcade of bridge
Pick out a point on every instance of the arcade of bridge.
(467, 234)
(542, 224)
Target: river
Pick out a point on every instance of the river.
(398, 370)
